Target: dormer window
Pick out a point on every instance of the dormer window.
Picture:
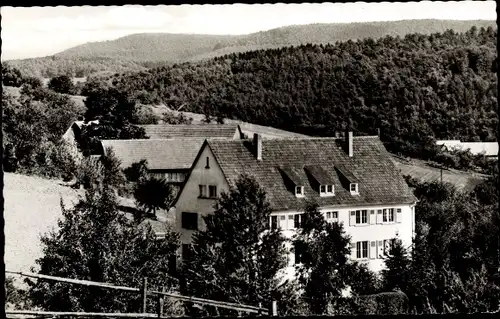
(326, 190)
(299, 191)
(354, 188)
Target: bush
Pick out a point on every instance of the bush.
(89, 173)
(385, 303)
(62, 84)
(144, 115)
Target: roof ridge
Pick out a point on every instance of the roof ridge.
(163, 139)
(312, 138)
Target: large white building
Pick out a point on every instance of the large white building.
(353, 180)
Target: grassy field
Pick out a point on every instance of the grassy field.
(32, 208)
(418, 169)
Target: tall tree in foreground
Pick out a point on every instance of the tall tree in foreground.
(94, 241)
(237, 258)
(324, 269)
(397, 265)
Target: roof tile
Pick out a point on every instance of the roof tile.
(379, 180)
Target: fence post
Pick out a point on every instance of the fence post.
(260, 310)
(144, 294)
(161, 300)
(273, 310)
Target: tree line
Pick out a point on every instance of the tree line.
(415, 89)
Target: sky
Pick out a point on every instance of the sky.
(41, 31)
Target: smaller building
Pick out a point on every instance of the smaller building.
(72, 137)
(171, 131)
(167, 158)
(489, 149)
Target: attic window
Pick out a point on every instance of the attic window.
(326, 190)
(208, 163)
(299, 191)
(354, 188)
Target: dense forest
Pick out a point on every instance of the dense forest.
(140, 51)
(415, 89)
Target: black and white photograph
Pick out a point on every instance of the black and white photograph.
(243, 160)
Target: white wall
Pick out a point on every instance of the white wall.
(404, 229)
(190, 202)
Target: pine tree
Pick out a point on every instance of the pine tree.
(237, 258)
(324, 251)
(395, 275)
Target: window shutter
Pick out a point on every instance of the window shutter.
(399, 215)
(352, 218)
(373, 250)
(379, 216)
(380, 249)
(372, 218)
(353, 250)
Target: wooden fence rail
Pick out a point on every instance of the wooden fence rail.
(144, 293)
(78, 314)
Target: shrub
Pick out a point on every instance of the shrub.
(385, 303)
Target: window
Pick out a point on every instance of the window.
(290, 222)
(208, 163)
(326, 190)
(388, 243)
(299, 191)
(332, 216)
(296, 221)
(203, 190)
(388, 215)
(362, 249)
(190, 221)
(208, 191)
(274, 222)
(362, 216)
(212, 191)
(354, 188)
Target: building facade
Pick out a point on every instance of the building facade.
(353, 180)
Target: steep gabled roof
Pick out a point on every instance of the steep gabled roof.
(167, 131)
(161, 154)
(319, 174)
(379, 180)
(347, 174)
(293, 175)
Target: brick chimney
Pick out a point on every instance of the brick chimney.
(257, 142)
(348, 143)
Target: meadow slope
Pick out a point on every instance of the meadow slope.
(32, 208)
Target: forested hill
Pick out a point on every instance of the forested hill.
(414, 88)
(139, 51)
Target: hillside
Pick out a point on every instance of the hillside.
(416, 88)
(138, 51)
(32, 207)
